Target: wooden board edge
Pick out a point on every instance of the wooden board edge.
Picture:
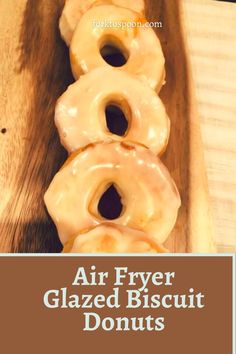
(200, 228)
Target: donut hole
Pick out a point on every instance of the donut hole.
(116, 120)
(113, 52)
(110, 206)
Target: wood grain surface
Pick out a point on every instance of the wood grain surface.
(210, 26)
(35, 70)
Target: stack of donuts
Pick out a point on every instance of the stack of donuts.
(99, 158)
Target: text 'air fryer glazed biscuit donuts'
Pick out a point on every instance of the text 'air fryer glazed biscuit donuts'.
(74, 9)
(92, 44)
(112, 238)
(92, 104)
(149, 197)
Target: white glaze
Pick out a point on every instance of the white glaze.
(74, 9)
(149, 196)
(146, 59)
(112, 238)
(80, 111)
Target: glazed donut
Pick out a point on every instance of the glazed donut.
(112, 238)
(139, 45)
(74, 9)
(80, 112)
(150, 199)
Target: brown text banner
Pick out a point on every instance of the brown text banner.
(78, 304)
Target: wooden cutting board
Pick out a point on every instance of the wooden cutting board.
(35, 70)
